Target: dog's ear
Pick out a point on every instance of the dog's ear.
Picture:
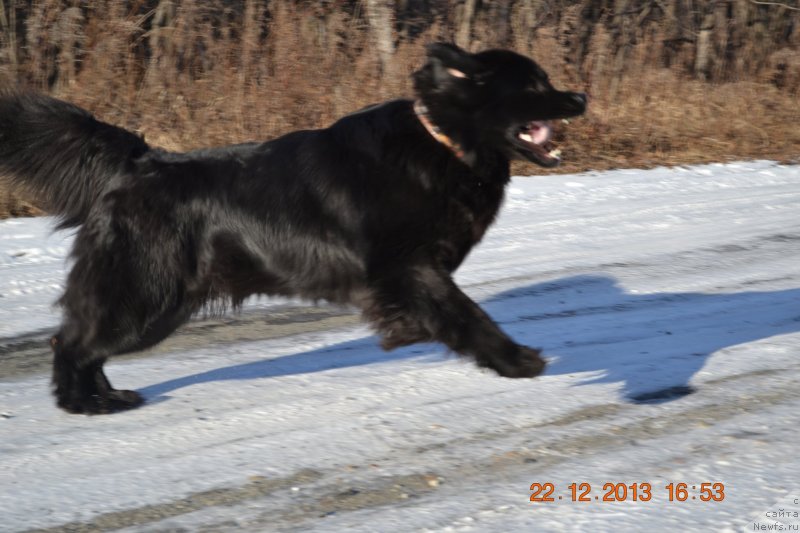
(450, 61)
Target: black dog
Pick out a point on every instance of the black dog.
(377, 211)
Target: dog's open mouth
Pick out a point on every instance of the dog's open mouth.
(534, 139)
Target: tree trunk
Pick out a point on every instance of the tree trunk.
(704, 51)
(622, 41)
(380, 16)
(588, 18)
(8, 29)
(677, 34)
(464, 21)
(500, 21)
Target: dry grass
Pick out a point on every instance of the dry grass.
(661, 119)
(187, 79)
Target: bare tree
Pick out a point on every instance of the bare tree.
(465, 18)
(380, 16)
(8, 31)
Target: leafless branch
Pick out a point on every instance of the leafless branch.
(775, 4)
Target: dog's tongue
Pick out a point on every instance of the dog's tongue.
(536, 132)
(540, 132)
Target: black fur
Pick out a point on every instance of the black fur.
(372, 211)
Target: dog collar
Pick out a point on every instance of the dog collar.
(424, 116)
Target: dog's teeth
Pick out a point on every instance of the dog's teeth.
(555, 153)
(526, 137)
(565, 120)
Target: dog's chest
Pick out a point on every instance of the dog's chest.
(468, 216)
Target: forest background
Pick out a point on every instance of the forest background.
(671, 81)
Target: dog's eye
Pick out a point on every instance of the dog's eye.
(538, 86)
(480, 78)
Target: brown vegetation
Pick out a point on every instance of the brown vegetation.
(671, 81)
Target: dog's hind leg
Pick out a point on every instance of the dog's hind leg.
(119, 298)
(81, 350)
(86, 340)
(426, 305)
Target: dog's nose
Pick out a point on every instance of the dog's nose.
(580, 98)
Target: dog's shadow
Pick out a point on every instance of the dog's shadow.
(652, 344)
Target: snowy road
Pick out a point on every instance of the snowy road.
(666, 301)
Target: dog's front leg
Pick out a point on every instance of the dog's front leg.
(424, 304)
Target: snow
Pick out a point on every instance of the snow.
(667, 302)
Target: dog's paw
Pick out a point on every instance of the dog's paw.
(530, 364)
(121, 400)
(115, 401)
(525, 363)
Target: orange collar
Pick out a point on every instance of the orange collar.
(433, 129)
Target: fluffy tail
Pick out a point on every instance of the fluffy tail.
(60, 154)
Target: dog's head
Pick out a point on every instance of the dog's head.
(495, 99)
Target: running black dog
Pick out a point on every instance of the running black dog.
(377, 210)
